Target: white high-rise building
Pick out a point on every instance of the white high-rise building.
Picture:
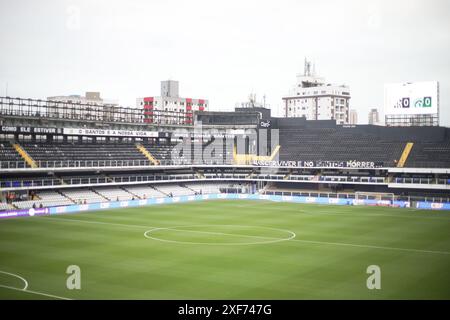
(88, 107)
(353, 117)
(374, 117)
(315, 99)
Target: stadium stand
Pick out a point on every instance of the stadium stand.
(208, 188)
(48, 166)
(308, 143)
(5, 206)
(83, 195)
(9, 154)
(160, 152)
(46, 198)
(57, 154)
(114, 193)
(57, 151)
(144, 191)
(426, 154)
(174, 190)
(325, 141)
(336, 145)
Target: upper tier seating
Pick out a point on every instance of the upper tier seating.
(160, 152)
(382, 145)
(330, 144)
(9, 154)
(96, 152)
(208, 154)
(59, 154)
(430, 154)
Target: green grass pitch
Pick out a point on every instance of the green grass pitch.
(228, 250)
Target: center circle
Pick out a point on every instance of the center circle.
(208, 234)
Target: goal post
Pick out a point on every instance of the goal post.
(381, 198)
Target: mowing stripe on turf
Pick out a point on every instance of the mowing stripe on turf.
(371, 246)
(359, 215)
(299, 240)
(99, 222)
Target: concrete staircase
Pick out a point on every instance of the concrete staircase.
(147, 154)
(25, 156)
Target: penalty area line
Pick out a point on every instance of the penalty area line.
(17, 276)
(34, 292)
(25, 288)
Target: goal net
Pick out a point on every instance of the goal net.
(375, 198)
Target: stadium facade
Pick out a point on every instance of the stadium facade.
(51, 157)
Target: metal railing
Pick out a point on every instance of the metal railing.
(354, 196)
(422, 181)
(121, 179)
(51, 109)
(104, 163)
(231, 188)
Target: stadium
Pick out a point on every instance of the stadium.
(148, 204)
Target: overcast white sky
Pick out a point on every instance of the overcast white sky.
(222, 50)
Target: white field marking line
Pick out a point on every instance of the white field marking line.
(276, 240)
(357, 215)
(300, 240)
(371, 246)
(347, 213)
(25, 289)
(292, 235)
(35, 292)
(335, 213)
(17, 276)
